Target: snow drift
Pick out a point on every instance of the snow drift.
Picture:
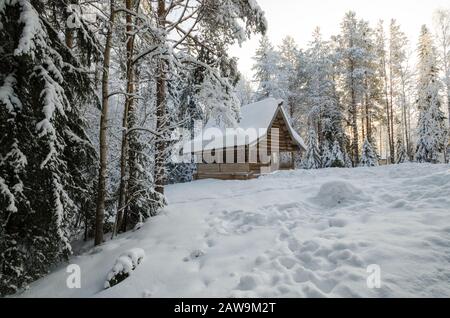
(335, 193)
(285, 235)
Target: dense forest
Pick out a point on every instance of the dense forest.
(359, 97)
(92, 92)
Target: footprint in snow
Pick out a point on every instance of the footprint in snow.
(247, 282)
(336, 222)
(260, 260)
(287, 262)
(210, 242)
(194, 255)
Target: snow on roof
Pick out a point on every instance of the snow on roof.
(295, 136)
(256, 117)
(259, 115)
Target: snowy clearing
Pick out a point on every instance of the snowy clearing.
(292, 234)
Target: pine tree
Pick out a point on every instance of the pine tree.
(399, 77)
(312, 156)
(372, 100)
(45, 152)
(369, 158)
(286, 75)
(320, 90)
(353, 57)
(382, 71)
(265, 69)
(431, 129)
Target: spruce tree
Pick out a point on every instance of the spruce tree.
(442, 21)
(431, 130)
(327, 159)
(265, 68)
(312, 155)
(286, 79)
(45, 153)
(337, 158)
(368, 158)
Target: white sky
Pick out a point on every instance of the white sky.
(298, 18)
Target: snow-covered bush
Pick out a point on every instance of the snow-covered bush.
(337, 193)
(125, 264)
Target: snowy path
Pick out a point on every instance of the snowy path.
(292, 234)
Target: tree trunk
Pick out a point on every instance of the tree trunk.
(101, 191)
(447, 145)
(319, 131)
(381, 141)
(405, 119)
(388, 117)
(69, 38)
(367, 114)
(129, 99)
(368, 124)
(392, 142)
(448, 101)
(354, 117)
(363, 127)
(161, 117)
(355, 146)
(411, 150)
(68, 32)
(355, 130)
(391, 115)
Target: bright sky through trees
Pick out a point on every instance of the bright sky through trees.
(299, 18)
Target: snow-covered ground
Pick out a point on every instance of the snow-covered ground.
(291, 234)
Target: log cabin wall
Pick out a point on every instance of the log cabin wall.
(228, 167)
